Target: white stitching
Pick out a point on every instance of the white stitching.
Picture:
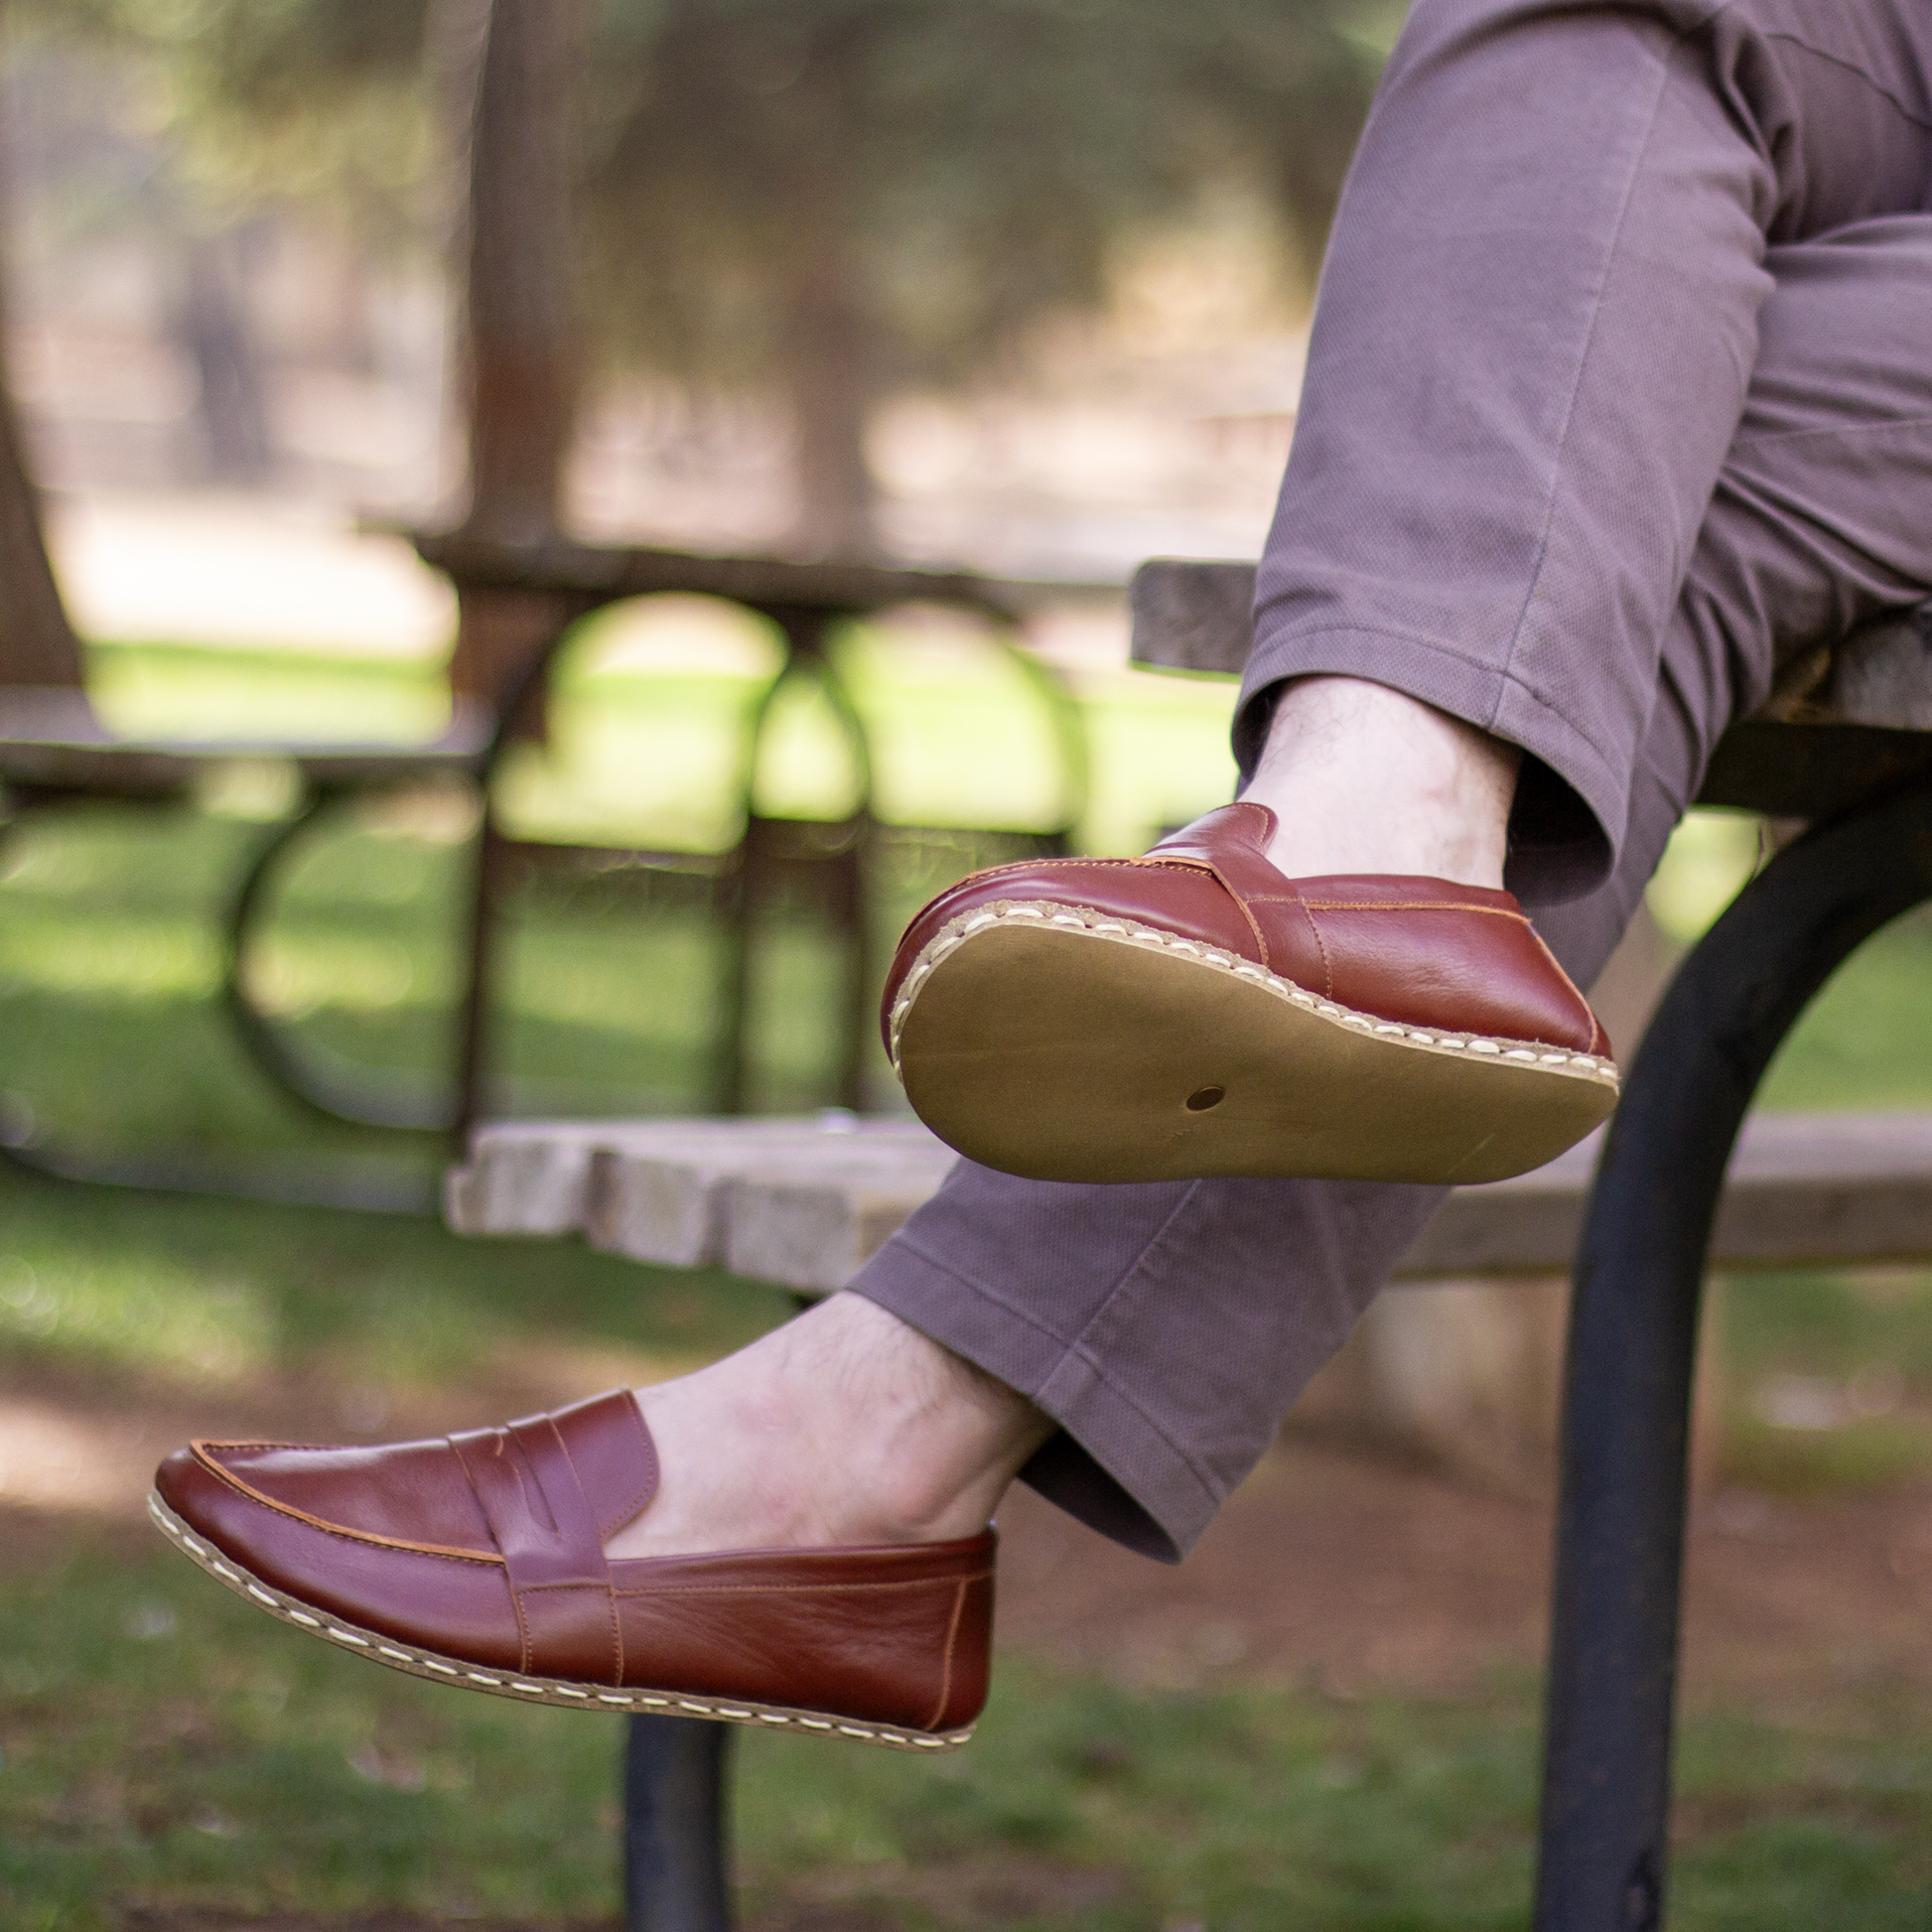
(551, 1689)
(951, 937)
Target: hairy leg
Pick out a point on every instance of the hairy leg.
(844, 1428)
(1366, 779)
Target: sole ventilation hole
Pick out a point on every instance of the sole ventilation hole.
(1204, 1098)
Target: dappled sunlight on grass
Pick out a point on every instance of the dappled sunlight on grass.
(212, 1291)
(133, 1308)
(196, 692)
(166, 1744)
(1710, 856)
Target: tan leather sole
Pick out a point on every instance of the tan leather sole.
(529, 1690)
(1056, 1042)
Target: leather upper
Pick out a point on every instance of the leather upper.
(1422, 952)
(488, 1547)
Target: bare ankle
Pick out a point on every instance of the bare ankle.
(1363, 778)
(844, 1427)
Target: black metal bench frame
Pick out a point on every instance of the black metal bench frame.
(1633, 1327)
(1602, 1853)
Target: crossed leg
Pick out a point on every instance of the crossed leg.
(1618, 394)
(1165, 1328)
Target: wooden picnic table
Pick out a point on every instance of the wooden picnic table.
(800, 1203)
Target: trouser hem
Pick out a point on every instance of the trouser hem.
(1569, 818)
(1112, 1466)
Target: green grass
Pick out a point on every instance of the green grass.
(208, 1293)
(1866, 1041)
(161, 1745)
(649, 711)
(166, 1745)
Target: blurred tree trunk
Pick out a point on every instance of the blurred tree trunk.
(522, 355)
(37, 642)
(829, 347)
(217, 331)
(831, 376)
(513, 65)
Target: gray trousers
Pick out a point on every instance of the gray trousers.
(1620, 393)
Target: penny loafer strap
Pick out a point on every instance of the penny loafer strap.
(1228, 843)
(528, 1490)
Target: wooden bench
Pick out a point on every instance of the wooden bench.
(1843, 742)
(1846, 742)
(802, 1203)
(553, 585)
(55, 752)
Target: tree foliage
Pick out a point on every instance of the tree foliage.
(970, 161)
(313, 101)
(827, 197)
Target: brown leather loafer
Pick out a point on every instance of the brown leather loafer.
(1194, 1012)
(478, 1561)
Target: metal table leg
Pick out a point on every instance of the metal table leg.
(675, 1826)
(1633, 1336)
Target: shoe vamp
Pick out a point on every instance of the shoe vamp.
(878, 1654)
(403, 1493)
(1448, 968)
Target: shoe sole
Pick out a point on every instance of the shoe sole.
(1058, 1043)
(454, 1671)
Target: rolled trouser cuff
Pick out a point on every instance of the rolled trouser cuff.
(1110, 1465)
(1572, 800)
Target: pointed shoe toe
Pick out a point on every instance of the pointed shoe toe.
(478, 1560)
(1195, 1013)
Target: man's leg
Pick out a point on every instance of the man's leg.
(1675, 485)
(1538, 320)
(1685, 478)
(1167, 1328)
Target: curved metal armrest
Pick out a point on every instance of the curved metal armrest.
(1632, 1342)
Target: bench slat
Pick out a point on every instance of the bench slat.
(51, 739)
(802, 1202)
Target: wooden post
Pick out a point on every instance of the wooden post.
(511, 67)
(37, 642)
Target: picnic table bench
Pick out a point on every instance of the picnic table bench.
(55, 750)
(802, 1203)
(1671, 1187)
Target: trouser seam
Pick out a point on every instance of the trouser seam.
(1878, 86)
(1757, 438)
(1582, 360)
(911, 1245)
